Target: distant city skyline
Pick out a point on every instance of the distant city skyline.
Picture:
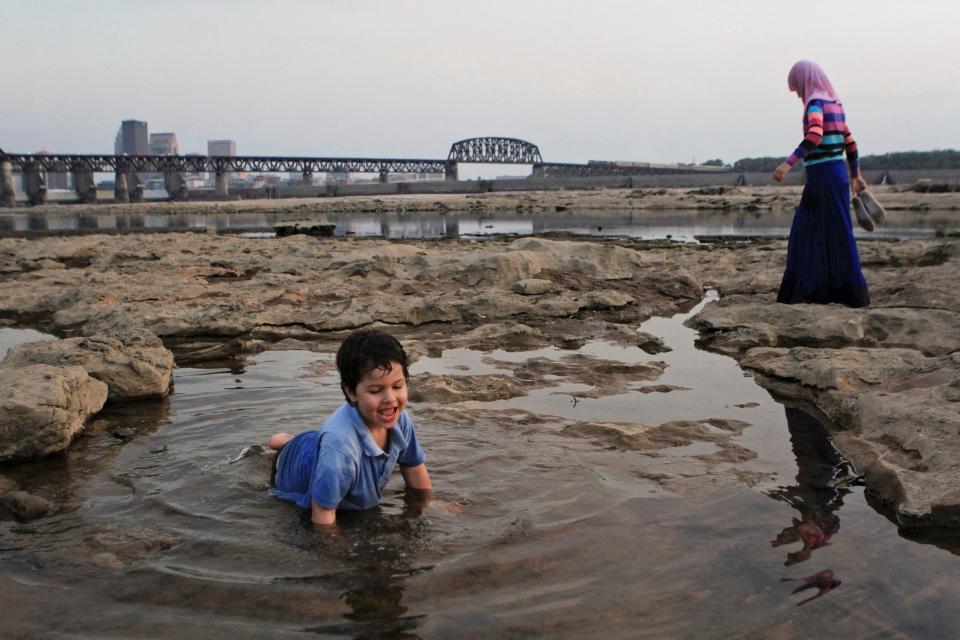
(685, 81)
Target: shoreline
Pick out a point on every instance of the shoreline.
(712, 198)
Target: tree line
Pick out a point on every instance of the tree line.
(901, 160)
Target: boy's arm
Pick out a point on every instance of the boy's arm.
(417, 477)
(321, 516)
(419, 488)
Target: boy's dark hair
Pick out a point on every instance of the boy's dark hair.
(365, 350)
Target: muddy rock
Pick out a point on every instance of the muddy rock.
(670, 434)
(605, 377)
(650, 343)
(510, 336)
(27, 506)
(607, 299)
(130, 371)
(7, 485)
(483, 388)
(44, 408)
(108, 561)
(532, 287)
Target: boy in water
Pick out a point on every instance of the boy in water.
(345, 464)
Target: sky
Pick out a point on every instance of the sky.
(642, 80)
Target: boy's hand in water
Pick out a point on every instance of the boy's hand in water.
(447, 505)
(417, 500)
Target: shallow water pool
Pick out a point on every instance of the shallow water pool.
(161, 532)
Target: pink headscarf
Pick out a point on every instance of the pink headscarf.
(809, 80)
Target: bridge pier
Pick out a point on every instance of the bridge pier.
(221, 186)
(34, 184)
(8, 195)
(175, 185)
(121, 193)
(384, 177)
(307, 178)
(450, 172)
(85, 186)
(539, 172)
(134, 187)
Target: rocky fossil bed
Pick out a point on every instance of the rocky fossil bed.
(885, 378)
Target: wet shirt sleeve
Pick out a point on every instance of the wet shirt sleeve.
(413, 454)
(335, 475)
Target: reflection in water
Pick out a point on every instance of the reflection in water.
(822, 581)
(822, 474)
(63, 477)
(682, 226)
(374, 549)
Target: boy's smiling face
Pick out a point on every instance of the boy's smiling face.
(380, 396)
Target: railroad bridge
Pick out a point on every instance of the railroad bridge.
(128, 188)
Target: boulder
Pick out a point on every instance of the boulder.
(44, 408)
(141, 369)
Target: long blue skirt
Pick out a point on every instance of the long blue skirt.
(823, 264)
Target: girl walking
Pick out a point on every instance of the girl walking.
(823, 264)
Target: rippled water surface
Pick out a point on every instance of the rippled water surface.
(161, 531)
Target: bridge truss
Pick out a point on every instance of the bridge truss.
(483, 150)
(71, 163)
(492, 150)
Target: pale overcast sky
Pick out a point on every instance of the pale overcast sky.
(659, 81)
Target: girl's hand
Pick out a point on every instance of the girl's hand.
(858, 184)
(782, 170)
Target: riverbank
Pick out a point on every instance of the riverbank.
(885, 378)
(709, 198)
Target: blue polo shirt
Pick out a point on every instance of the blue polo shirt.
(339, 466)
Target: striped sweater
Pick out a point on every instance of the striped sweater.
(826, 137)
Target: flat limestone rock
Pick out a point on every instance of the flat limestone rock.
(130, 371)
(44, 408)
(738, 325)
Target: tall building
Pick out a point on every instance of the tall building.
(221, 148)
(164, 144)
(132, 139)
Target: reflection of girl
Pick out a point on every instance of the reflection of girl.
(823, 264)
(820, 467)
